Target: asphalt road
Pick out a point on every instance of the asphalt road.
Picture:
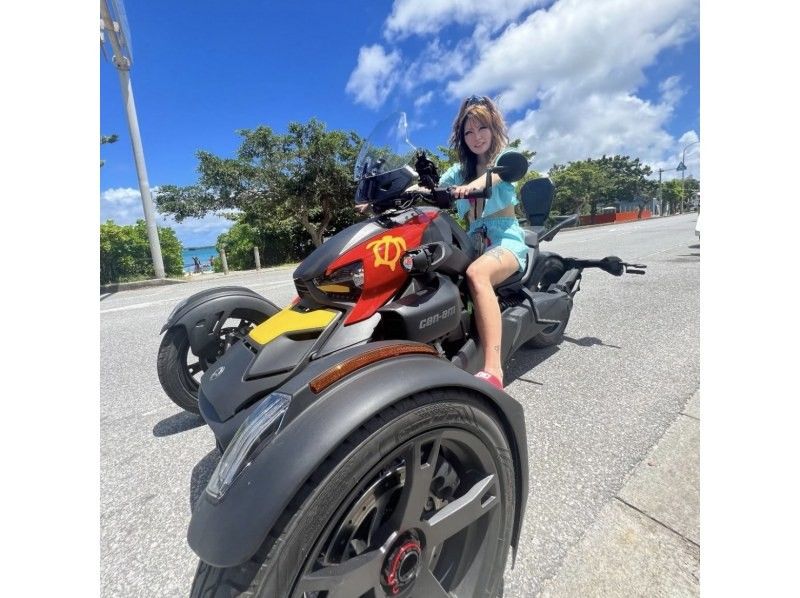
(594, 406)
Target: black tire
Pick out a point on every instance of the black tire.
(179, 378)
(456, 539)
(545, 273)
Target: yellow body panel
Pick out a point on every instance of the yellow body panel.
(288, 320)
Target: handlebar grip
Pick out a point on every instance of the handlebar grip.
(478, 194)
(442, 197)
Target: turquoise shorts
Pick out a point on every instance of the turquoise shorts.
(501, 232)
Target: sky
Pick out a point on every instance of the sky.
(574, 78)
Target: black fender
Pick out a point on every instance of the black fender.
(228, 532)
(201, 313)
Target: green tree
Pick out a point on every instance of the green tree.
(304, 175)
(673, 190)
(691, 186)
(585, 185)
(628, 178)
(279, 240)
(107, 139)
(580, 187)
(125, 252)
(671, 195)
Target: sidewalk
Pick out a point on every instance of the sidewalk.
(646, 541)
(205, 276)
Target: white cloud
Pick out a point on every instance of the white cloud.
(421, 17)
(438, 63)
(122, 196)
(374, 76)
(670, 89)
(578, 47)
(124, 206)
(423, 99)
(607, 123)
(583, 63)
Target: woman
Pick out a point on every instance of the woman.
(479, 135)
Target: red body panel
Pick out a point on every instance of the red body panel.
(383, 274)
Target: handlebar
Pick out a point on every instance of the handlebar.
(611, 264)
(442, 197)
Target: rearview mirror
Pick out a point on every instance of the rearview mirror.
(511, 166)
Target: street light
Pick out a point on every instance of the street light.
(115, 25)
(682, 168)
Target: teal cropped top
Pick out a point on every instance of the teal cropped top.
(503, 194)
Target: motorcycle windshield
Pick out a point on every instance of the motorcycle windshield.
(387, 148)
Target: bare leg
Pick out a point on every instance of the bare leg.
(491, 268)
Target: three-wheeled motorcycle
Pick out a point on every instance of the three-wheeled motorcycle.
(360, 456)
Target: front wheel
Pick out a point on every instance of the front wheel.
(180, 370)
(418, 502)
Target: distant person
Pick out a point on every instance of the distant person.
(211, 263)
(197, 268)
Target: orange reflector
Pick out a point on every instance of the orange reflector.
(339, 371)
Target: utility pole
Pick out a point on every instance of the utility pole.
(116, 29)
(682, 168)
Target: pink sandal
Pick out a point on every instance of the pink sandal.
(490, 378)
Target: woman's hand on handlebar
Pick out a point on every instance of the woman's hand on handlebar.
(464, 191)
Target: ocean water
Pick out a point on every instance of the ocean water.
(204, 254)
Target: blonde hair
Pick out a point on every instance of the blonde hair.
(484, 110)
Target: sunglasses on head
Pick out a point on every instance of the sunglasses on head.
(473, 99)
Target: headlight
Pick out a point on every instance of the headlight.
(257, 431)
(344, 283)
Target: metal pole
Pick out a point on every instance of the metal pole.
(660, 195)
(141, 171)
(683, 171)
(123, 67)
(683, 186)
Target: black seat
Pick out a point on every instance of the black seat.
(537, 197)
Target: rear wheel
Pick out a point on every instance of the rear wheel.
(418, 502)
(545, 273)
(180, 370)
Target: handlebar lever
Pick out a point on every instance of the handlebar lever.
(634, 268)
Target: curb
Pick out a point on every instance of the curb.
(158, 282)
(585, 226)
(646, 540)
(138, 284)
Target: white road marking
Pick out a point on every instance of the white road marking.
(155, 411)
(661, 251)
(137, 306)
